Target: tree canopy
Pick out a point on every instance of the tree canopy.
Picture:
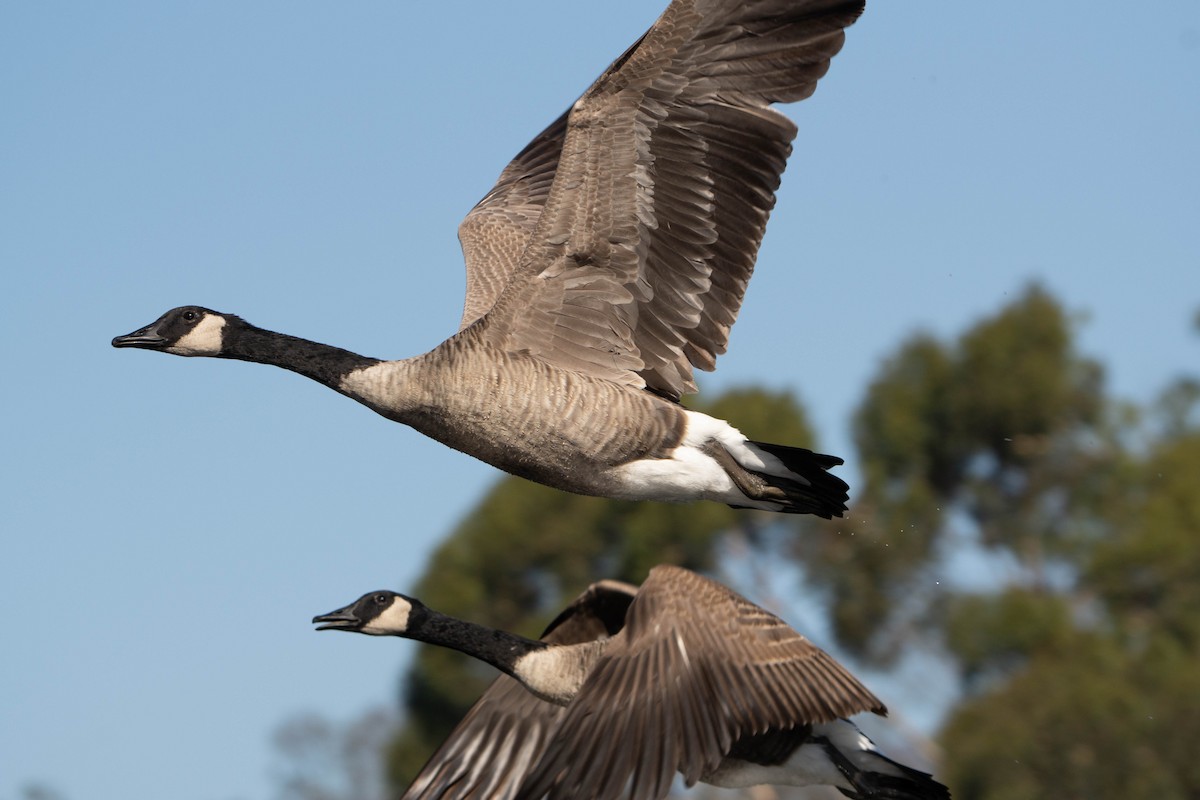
(1009, 517)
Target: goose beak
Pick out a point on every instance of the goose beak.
(341, 620)
(147, 337)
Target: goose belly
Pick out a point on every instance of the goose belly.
(525, 417)
(813, 763)
(810, 765)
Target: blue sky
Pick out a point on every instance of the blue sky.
(169, 525)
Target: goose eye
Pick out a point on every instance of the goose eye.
(189, 316)
(381, 599)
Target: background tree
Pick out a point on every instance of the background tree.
(322, 760)
(1066, 523)
(1010, 519)
(997, 443)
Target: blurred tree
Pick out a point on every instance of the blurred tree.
(322, 760)
(1011, 518)
(39, 791)
(998, 441)
(1067, 528)
(1110, 709)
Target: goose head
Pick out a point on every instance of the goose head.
(184, 331)
(380, 613)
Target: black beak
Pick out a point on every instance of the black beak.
(147, 337)
(341, 620)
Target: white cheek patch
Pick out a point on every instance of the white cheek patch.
(392, 621)
(203, 340)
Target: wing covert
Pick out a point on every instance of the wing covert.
(639, 261)
(696, 668)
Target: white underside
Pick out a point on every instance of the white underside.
(691, 473)
(810, 765)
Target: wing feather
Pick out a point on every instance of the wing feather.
(504, 734)
(496, 231)
(696, 668)
(666, 177)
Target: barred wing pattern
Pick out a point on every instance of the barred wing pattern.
(496, 231)
(638, 262)
(696, 668)
(503, 736)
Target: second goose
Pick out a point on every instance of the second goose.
(608, 262)
(631, 686)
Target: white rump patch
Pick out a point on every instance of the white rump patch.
(703, 428)
(687, 475)
(691, 473)
(203, 340)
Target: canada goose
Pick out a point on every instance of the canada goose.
(609, 261)
(629, 686)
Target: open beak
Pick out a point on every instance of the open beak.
(341, 620)
(147, 337)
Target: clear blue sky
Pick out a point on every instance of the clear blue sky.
(169, 525)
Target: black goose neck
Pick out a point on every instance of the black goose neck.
(499, 648)
(321, 362)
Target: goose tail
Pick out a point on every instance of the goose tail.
(872, 775)
(910, 785)
(808, 488)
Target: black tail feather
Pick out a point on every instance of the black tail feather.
(911, 784)
(915, 785)
(824, 495)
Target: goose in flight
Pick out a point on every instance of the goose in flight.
(630, 686)
(607, 263)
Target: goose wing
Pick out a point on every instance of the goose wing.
(492, 749)
(637, 264)
(495, 232)
(696, 668)
(503, 736)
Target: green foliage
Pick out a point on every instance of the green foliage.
(1019, 381)
(992, 634)
(1086, 721)
(1078, 653)
(906, 428)
(526, 550)
(998, 437)
(1095, 687)
(1148, 572)
(1074, 624)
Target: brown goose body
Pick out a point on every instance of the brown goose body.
(631, 686)
(607, 264)
(569, 434)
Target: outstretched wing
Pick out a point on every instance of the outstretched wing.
(638, 262)
(500, 740)
(490, 752)
(494, 234)
(696, 668)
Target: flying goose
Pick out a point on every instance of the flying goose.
(630, 686)
(609, 261)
